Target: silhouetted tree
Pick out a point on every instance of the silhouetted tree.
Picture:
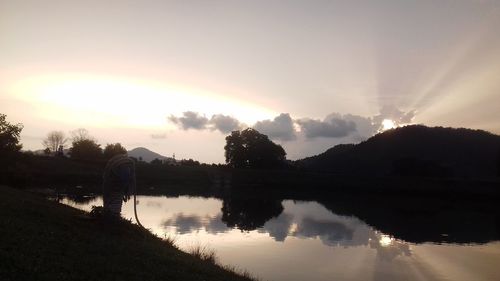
(9, 140)
(189, 162)
(249, 148)
(113, 149)
(498, 162)
(54, 140)
(81, 134)
(86, 149)
(156, 161)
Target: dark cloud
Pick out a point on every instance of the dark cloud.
(334, 126)
(224, 123)
(190, 120)
(365, 127)
(280, 128)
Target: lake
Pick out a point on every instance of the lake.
(304, 240)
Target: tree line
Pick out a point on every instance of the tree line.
(83, 146)
(247, 148)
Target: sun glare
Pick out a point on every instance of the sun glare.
(111, 101)
(388, 124)
(385, 240)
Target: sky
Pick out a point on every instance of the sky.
(177, 76)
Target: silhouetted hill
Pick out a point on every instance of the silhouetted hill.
(145, 154)
(415, 151)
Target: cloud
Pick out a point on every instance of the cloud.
(158, 136)
(281, 128)
(393, 113)
(190, 120)
(365, 127)
(334, 126)
(224, 123)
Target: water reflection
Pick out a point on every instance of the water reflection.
(304, 240)
(249, 213)
(183, 224)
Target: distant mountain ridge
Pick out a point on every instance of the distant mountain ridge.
(146, 154)
(414, 150)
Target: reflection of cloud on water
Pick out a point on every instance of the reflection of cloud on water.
(334, 231)
(278, 228)
(189, 223)
(215, 225)
(330, 232)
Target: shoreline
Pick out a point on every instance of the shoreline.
(45, 240)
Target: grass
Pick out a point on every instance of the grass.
(204, 253)
(207, 254)
(44, 240)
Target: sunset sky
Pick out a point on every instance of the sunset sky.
(178, 76)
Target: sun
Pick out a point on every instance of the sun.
(388, 124)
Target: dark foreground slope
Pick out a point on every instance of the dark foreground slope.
(415, 151)
(43, 240)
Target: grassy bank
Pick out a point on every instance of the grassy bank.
(43, 240)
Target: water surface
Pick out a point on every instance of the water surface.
(303, 240)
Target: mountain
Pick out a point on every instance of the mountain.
(146, 154)
(415, 151)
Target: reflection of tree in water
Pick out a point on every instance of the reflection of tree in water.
(81, 199)
(249, 214)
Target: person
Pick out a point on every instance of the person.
(118, 183)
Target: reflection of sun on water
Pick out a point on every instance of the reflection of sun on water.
(385, 240)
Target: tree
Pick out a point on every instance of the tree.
(84, 146)
(86, 149)
(10, 135)
(81, 134)
(54, 140)
(498, 162)
(113, 149)
(249, 148)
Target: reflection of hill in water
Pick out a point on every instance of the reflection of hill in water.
(411, 218)
(305, 220)
(419, 220)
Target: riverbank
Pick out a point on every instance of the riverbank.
(44, 240)
(59, 173)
